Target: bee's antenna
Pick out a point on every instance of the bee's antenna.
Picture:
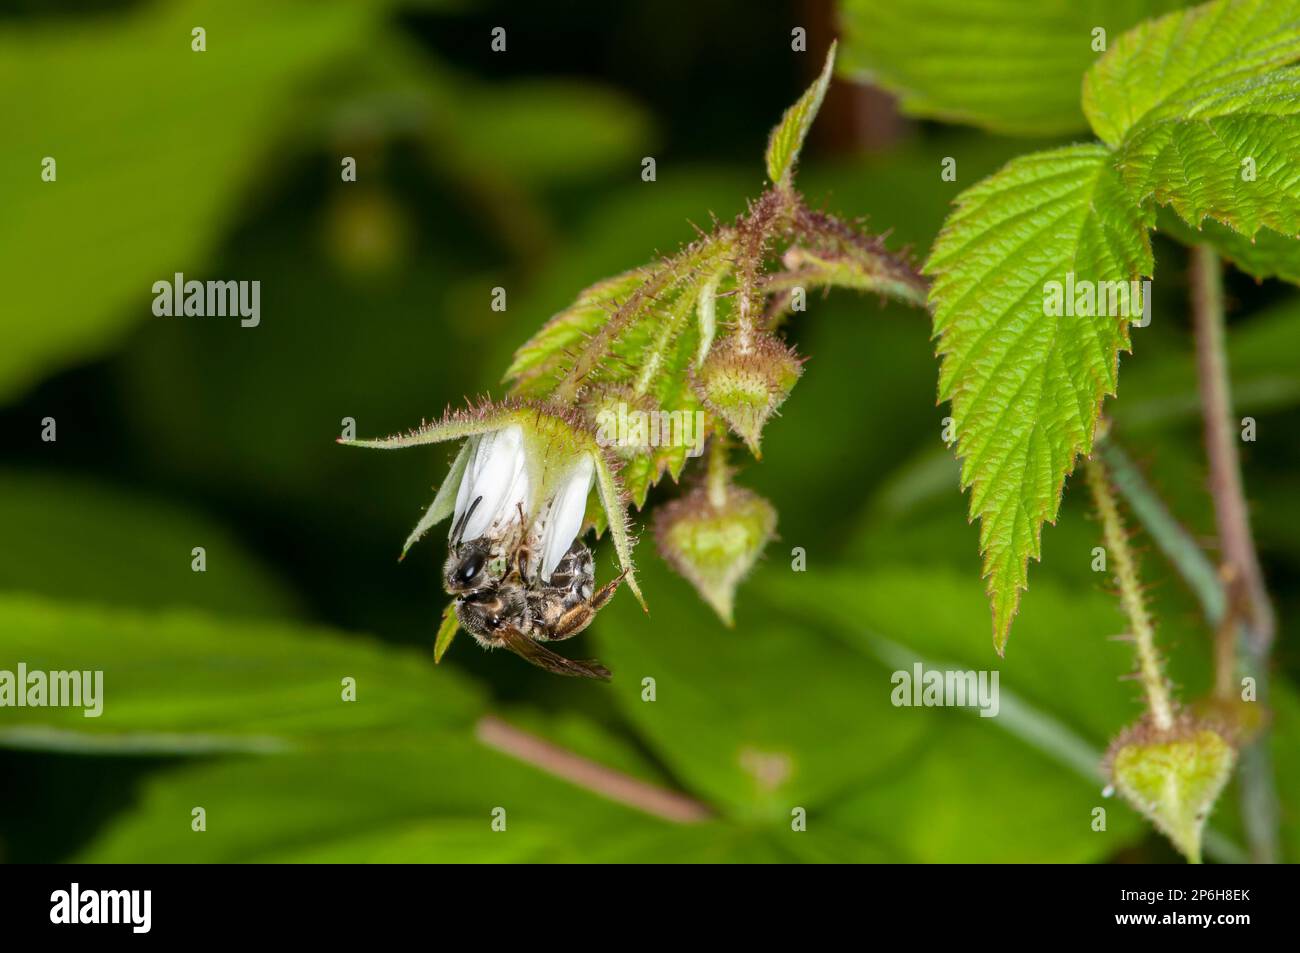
(460, 523)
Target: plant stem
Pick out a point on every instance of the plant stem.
(1237, 546)
(718, 473)
(1174, 541)
(1130, 594)
(1235, 540)
(608, 783)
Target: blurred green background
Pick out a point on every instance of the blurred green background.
(521, 169)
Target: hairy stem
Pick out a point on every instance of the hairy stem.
(1174, 541)
(1130, 593)
(1237, 546)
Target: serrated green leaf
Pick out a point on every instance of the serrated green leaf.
(547, 349)
(1266, 254)
(629, 343)
(788, 136)
(1025, 387)
(1202, 115)
(1006, 65)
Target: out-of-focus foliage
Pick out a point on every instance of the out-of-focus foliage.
(1005, 65)
(224, 688)
(158, 140)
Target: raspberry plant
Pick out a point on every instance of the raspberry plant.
(1198, 113)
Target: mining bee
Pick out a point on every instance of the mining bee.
(503, 602)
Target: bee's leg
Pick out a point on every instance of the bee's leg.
(571, 623)
(580, 616)
(606, 592)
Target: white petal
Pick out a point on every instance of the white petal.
(564, 518)
(463, 498)
(501, 479)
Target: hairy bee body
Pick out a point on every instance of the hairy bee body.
(487, 603)
(502, 601)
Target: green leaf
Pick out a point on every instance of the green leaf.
(629, 343)
(1025, 387)
(1266, 254)
(446, 632)
(74, 539)
(760, 744)
(417, 803)
(90, 244)
(1193, 100)
(1160, 389)
(788, 136)
(432, 805)
(1039, 758)
(539, 364)
(184, 682)
(1005, 65)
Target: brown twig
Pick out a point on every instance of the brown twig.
(608, 783)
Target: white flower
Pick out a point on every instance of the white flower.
(494, 493)
(521, 457)
(494, 487)
(561, 520)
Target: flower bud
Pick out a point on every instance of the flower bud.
(744, 385)
(715, 546)
(1173, 777)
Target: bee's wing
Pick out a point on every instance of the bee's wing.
(543, 657)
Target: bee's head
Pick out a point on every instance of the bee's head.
(485, 612)
(467, 567)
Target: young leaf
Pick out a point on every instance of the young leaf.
(447, 630)
(787, 138)
(1026, 386)
(1006, 65)
(1202, 115)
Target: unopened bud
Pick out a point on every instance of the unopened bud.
(715, 546)
(745, 384)
(1173, 777)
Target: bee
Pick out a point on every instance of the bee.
(502, 603)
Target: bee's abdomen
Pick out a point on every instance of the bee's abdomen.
(575, 571)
